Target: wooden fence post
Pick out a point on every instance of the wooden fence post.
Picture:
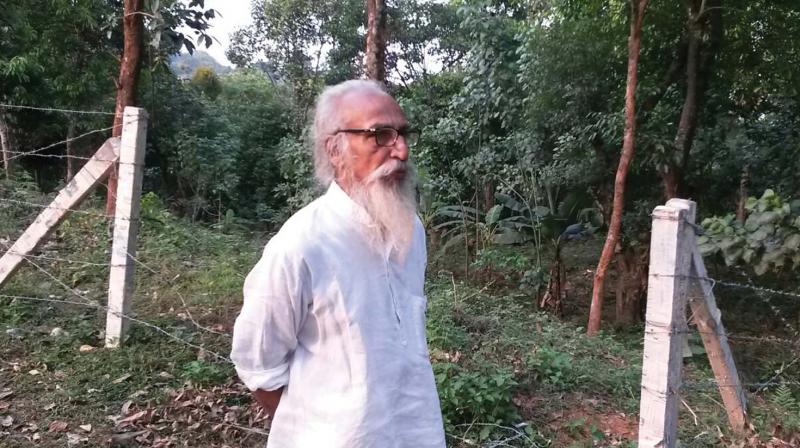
(126, 223)
(670, 261)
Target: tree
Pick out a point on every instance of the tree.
(128, 80)
(173, 16)
(375, 61)
(207, 81)
(638, 8)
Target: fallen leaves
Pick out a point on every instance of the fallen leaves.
(58, 426)
(193, 416)
(75, 439)
(122, 378)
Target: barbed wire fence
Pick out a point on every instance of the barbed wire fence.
(678, 280)
(74, 297)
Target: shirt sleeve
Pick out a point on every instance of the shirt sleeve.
(274, 309)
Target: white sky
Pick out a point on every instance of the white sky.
(233, 14)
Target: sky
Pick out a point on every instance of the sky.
(233, 14)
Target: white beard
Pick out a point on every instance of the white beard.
(391, 204)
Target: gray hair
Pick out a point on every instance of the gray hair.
(327, 120)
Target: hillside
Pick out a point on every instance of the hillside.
(185, 64)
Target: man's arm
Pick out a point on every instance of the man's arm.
(268, 399)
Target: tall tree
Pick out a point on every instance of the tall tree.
(375, 61)
(703, 37)
(129, 67)
(628, 145)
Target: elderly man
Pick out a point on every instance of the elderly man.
(331, 336)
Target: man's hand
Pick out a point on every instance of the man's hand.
(269, 399)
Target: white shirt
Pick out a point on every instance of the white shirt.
(343, 328)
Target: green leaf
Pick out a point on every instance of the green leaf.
(510, 202)
(493, 215)
(509, 236)
(792, 243)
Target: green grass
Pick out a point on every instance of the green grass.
(505, 371)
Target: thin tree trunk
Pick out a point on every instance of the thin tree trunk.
(704, 24)
(741, 212)
(376, 40)
(631, 284)
(70, 150)
(687, 125)
(5, 144)
(132, 27)
(634, 43)
(555, 292)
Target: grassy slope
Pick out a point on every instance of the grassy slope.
(497, 360)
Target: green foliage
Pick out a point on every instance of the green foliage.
(504, 261)
(18, 191)
(768, 241)
(204, 373)
(552, 367)
(298, 186)
(207, 81)
(468, 396)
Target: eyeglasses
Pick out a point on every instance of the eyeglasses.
(386, 136)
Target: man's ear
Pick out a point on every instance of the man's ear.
(332, 145)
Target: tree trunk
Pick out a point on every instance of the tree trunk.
(741, 212)
(702, 25)
(487, 191)
(376, 40)
(598, 292)
(132, 28)
(687, 124)
(5, 144)
(556, 292)
(70, 149)
(631, 284)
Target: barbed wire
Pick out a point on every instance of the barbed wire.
(653, 329)
(82, 212)
(86, 263)
(711, 384)
(63, 260)
(37, 152)
(69, 157)
(778, 292)
(18, 154)
(53, 109)
(93, 304)
(49, 156)
(729, 284)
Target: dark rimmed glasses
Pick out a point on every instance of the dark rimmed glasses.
(386, 136)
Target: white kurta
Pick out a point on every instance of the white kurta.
(342, 327)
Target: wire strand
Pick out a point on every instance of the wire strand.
(53, 109)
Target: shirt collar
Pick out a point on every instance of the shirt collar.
(344, 205)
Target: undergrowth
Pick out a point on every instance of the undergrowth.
(506, 373)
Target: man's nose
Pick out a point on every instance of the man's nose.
(400, 149)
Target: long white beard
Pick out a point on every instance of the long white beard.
(391, 204)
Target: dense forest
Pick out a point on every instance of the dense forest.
(528, 119)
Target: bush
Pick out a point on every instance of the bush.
(475, 396)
